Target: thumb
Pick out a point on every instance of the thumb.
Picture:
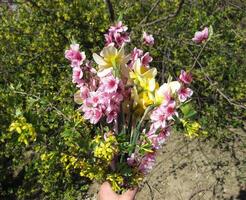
(106, 192)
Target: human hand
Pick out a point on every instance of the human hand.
(106, 193)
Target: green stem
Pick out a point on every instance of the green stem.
(137, 132)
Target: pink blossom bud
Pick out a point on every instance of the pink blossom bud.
(201, 36)
(148, 39)
(75, 56)
(185, 77)
(146, 59)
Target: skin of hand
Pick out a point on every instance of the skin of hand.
(106, 193)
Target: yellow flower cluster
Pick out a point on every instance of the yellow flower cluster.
(146, 90)
(144, 86)
(116, 181)
(96, 171)
(105, 149)
(193, 129)
(25, 130)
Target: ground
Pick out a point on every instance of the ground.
(197, 169)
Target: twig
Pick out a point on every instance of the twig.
(151, 191)
(197, 192)
(110, 9)
(167, 17)
(198, 56)
(229, 100)
(150, 11)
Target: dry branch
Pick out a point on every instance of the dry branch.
(110, 9)
(167, 17)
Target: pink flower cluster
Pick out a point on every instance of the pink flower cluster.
(104, 101)
(144, 164)
(77, 58)
(160, 122)
(101, 97)
(138, 53)
(117, 35)
(147, 162)
(201, 36)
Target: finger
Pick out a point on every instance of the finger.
(130, 194)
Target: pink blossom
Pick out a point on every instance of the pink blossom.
(117, 35)
(161, 114)
(84, 92)
(138, 53)
(201, 36)
(147, 162)
(135, 54)
(93, 99)
(146, 59)
(131, 161)
(110, 84)
(74, 55)
(158, 117)
(121, 38)
(109, 39)
(118, 27)
(112, 105)
(77, 75)
(111, 117)
(170, 110)
(185, 77)
(184, 93)
(158, 139)
(148, 39)
(94, 115)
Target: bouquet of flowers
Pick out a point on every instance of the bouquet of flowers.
(118, 92)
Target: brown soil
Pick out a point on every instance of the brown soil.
(198, 170)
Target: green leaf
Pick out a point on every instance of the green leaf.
(188, 110)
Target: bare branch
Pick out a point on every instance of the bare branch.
(167, 17)
(110, 9)
(150, 11)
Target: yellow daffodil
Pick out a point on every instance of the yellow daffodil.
(142, 100)
(112, 60)
(144, 82)
(143, 76)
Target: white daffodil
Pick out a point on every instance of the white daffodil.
(111, 60)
